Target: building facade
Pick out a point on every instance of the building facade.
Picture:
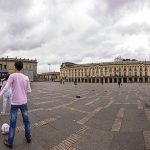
(125, 71)
(29, 68)
(49, 76)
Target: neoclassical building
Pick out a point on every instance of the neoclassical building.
(7, 66)
(125, 70)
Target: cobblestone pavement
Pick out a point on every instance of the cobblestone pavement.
(104, 117)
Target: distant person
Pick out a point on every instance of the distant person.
(6, 95)
(75, 83)
(119, 83)
(20, 87)
(60, 81)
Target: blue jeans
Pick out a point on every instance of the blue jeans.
(13, 119)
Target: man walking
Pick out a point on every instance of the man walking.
(119, 82)
(20, 87)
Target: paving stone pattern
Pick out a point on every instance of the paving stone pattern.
(85, 117)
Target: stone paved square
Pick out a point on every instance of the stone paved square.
(105, 117)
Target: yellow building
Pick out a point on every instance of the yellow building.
(125, 70)
(29, 68)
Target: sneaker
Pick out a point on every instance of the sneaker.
(28, 140)
(7, 144)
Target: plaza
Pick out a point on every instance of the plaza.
(85, 117)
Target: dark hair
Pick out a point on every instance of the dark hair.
(18, 65)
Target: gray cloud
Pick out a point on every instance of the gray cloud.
(56, 31)
(13, 6)
(134, 28)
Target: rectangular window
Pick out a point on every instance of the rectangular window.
(0, 66)
(124, 68)
(119, 68)
(145, 68)
(145, 73)
(4, 66)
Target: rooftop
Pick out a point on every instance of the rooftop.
(14, 59)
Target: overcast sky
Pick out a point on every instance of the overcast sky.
(80, 31)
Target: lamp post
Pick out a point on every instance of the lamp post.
(49, 72)
(6, 64)
(145, 70)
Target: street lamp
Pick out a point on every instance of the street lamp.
(6, 64)
(49, 66)
(49, 72)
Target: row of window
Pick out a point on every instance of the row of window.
(28, 67)
(106, 74)
(4, 66)
(110, 69)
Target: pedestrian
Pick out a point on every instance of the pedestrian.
(119, 82)
(60, 81)
(75, 83)
(20, 87)
(6, 96)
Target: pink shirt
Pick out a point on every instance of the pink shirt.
(20, 86)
